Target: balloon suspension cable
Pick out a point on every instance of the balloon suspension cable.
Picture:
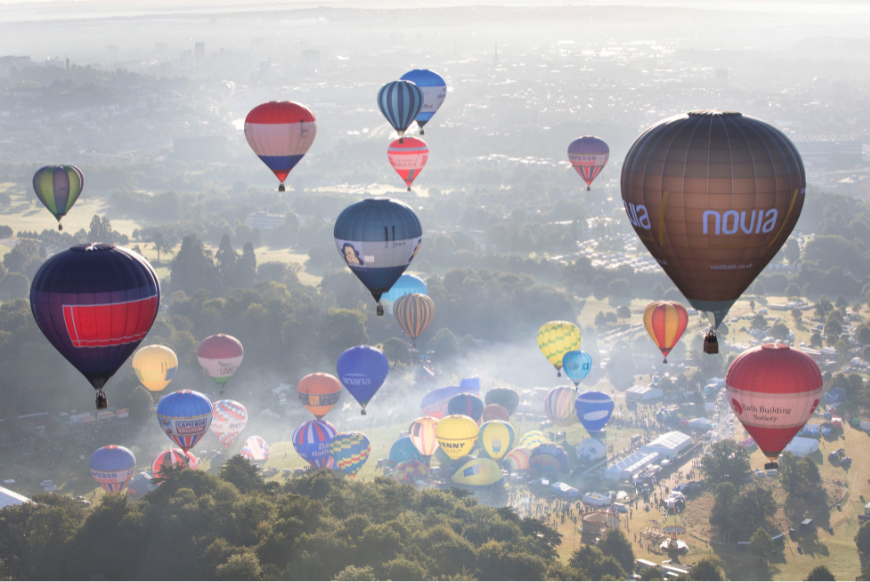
(281, 187)
(102, 401)
(380, 310)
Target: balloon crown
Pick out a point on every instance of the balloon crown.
(88, 247)
(775, 347)
(709, 112)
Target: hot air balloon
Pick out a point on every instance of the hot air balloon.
(230, 418)
(422, 434)
(95, 303)
(496, 438)
(495, 412)
(312, 440)
(255, 449)
(505, 397)
(58, 188)
(517, 459)
(408, 157)
(193, 461)
(220, 357)
(466, 404)
(140, 485)
(591, 450)
(155, 366)
(170, 458)
(406, 285)
(594, 410)
(434, 91)
(557, 338)
(665, 321)
(713, 195)
(532, 439)
(378, 238)
(478, 472)
(577, 365)
(588, 155)
(456, 435)
(185, 417)
(404, 450)
(773, 390)
(318, 393)
(559, 406)
(350, 450)
(414, 313)
(280, 133)
(362, 370)
(400, 102)
(409, 472)
(112, 467)
(435, 403)
(550, 458)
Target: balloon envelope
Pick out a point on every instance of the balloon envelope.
(319, 392)
(505, 397)
(169, 458)
(112, 467)
(478, 472)
(496, 438)
(517, 459)
(58, 188)
(773, 390)
(362, 370)
(229, 419)
(406, 285)
(713, 195)
(495, 412)
(255, 449)
(456, 435)
(588, 155)
(408, 157)
(559, 406)
(312, 441)
(435, 403)
(665, 322)
(466, 404)
(155, 366)
(591, 450)
(422, 434)
(557, 338)
(400, 102)
(532, 439)
(404, 450)
(549, 457)
(409, 472)
(280, 133)
(594, 409)
(434, 90)
(350, 450)
(414, 313)
(220, 357)
(185, 416)
(577, 365)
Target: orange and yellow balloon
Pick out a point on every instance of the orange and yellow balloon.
(665, 322)
(319, 392)
(155, 366)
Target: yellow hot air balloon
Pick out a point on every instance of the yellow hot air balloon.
(155, 366)
(556, 339)
(496, 437)
(456, 435)
(479, 472)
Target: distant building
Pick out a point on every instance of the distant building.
(669, 445)
(199, 50)
(643, 394)
(207, 148)
(9, 498)
(264, 221)
(823, 152)
(630, 465)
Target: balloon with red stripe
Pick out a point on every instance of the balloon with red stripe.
(773, 390)
(185, 416)
(112, 467)
(280, 133)
(95, 303)
(408, 157)
(422, 433)
(172, 458)
(665, 321)
(312, 441)
(588, 156)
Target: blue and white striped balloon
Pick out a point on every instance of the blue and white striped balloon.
(400, 102)
(594, 410)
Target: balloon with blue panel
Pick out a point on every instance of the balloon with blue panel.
(404, 449)
(362, 370)
(406, 285)
(280, 133)
(577, 365)
(378, 238)
(312, 440)
(112, 467)
(594, 409)
(185, 416)
(400, 102)
(434, 90)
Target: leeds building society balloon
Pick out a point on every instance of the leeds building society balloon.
(362, 370)
(220, 357)
(773, 389)
(185, 417)
(713, 195)
(414, 313)
(665, 322)
(95, 303)
(378, 238)
(408, 157)
(112, 467)
(557, 338)
(434, 90)
(588, 155)
(400, 102)
(229, 419)
(58, 188)
(155, 366)
(280, 133)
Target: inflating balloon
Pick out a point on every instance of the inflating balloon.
(496, 438)
(408, 157)
(434, 91)
(505, 397)
(422, 434)
(318, 393)
(280, 133)
(404, 449)
(185, 417)
(312, 441)
(406, 285)
(557, 338)
(230, 418)
(414, 313)
(220, 357)
(591, 450)
(532, 439)
(95, 303)
(559, 406)
(588, 155)
(456, 435)
(478, 472)
(435, 403)
(350, 450)
(155, 366)
(400, 102)
(112, 467)
(466, 404)
(517, 459)
(255, 449)
(170, 458)
(550, 458)
(58, 188)
(665, 322)
(594, 409)
(362, 370)
(495, 412)
(577, 365)
(409, 472)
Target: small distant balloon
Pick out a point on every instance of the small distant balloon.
(58, 188)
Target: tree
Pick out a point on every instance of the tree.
(758, 322)
(619, 288)
(834, 324)
(862, 334)
(761, 543)
(101, 231)
(816, 340)
(444, 345)
(340, 330)
(246, 269)
(226, 262)
(397, 351)
(841, 302)
(241, 473)
(726, 461)
(793, 291)
(797, 315)
(24, 258)
(617, 545)
(758, 288)
(820, 574)
(822, 307)
(623, 312)
(160, 244)
(595, 564)
(862, 538)
(244, 566)
(14, 286)
(353, 573)
(193, 268)
(707, 569)
(752, 304)
(140, 405)
(779, 330)
(599, 287)
(792, 251)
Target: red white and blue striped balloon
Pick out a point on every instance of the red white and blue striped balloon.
(312, 439)
(408, 157)
(112, 467)
(280, 133)
(588, 155)
(185, 417)
(255, 449)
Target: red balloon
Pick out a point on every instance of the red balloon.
(408, 157)
(773, 390)
(495, 412)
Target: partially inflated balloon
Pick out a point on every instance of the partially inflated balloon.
(409, 472)
(112, 467)
(350, 450)
(594, 410)
(591, 450)
(414, 313)
(170, 458)
(665, 322)
(312, 441)
(495, 412)
(559, 406)
(255, 449)
(185, 417)
(517, 459)
(220, 357)
(435, 403)
(404, 449)
(230, 418)
(713, 195)
(468, 404)
(280, 133)
(478, 472)
(505, 397)
(496, 438)
(155, 366)
(318, 393)
(400, 102)
(588, 155)
(434, 90)
(577, 365)
(557, 338)
(408, 157)
(456, 435)
(532, 439)
(422, 433)
(773, 390)
(378, 238)
(550, 458)
(406, 285)
(362, 370)
(58, 188)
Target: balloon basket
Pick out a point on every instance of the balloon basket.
(59, 226)
(711, 344)
(588, 188)
(281, 187)
(102, 401)
(665, 361)
(362, 412)
(380, 310)
(422, 132)
(409, 188)
(771, 465)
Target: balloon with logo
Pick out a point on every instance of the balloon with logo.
(517, 459)
(362, 370)
(194, 462)
(112, 467)
(350, 450)
(435, 403)
(456, 435)
(403, 450)
(773, 390)
(466, 404)
(496, 438)
(594, 409)
(665, 322)
(559, 406)
(411, 471)
(495, 412)
(577, 365)
(405, 285)
(505, 397)
(588, 155)
(255, 449)
(400, 102)
(378, 238)
(713, 195)
(95, 303)
(220, 357)
(478, 472)
(557, 338)
(170, 458)
(422, 435)
(591, 450)
(408, 157)
(185, 416)
(58, 188)
(414, 313)
(312, 441)
(230, 418)
(280, 133)
(319, 392)
(434, 90)
(155, 366)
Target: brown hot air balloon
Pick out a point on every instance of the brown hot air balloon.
(713, 195)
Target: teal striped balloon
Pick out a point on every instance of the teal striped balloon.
(58, 188)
